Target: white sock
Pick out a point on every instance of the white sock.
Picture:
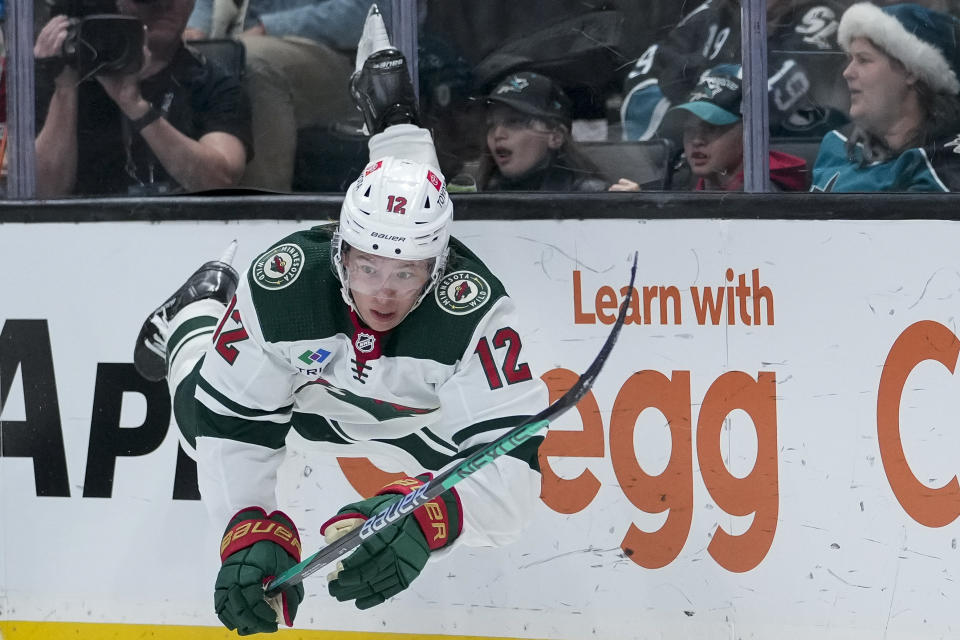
(407, 141)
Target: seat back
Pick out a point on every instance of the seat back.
(645, 162)
(806, 148)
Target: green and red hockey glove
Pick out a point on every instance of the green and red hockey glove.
(386, 563)
(256, 548)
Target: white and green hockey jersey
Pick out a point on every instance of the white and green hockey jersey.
(290, 353)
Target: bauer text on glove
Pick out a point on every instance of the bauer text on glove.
(256, 548)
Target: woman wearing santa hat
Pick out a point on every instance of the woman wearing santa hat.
(904, 64)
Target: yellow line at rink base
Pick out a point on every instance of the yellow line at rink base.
(14, 630)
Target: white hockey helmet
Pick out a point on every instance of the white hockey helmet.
(397, 209)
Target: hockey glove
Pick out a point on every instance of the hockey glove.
(255, 549)
(385, 564)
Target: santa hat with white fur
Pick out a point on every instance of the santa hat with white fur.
(924, 40)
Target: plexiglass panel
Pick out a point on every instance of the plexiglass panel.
(545, 95)
(528, 96)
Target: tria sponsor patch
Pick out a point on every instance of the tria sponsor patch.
(462, 292)
(279, 267)
(313, 358)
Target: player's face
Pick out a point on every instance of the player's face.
(713, 151)
(518, 142)
(879, 87)
(384, 289)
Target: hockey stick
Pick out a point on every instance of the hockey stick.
(481, 458)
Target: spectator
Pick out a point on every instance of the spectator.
(712, 132)
(467, 47)
(712, 128)
(529, 146)
(299, 57)
(179, 124)
(903, 82)
(801, 104)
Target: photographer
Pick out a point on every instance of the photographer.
(169, 122)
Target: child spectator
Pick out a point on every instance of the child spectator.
(713, 136)
(529, 146)
(711, 126)
(903, 82)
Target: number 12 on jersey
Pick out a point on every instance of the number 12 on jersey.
(224, 339)
(512, 371)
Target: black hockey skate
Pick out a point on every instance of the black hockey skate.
(383, 92)
(381, 85)
(215, 279)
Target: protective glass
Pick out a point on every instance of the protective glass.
(369, 274)
(509, 119)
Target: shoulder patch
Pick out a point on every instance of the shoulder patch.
(462, 292)
(278, 267)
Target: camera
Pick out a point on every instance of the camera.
(100, 40)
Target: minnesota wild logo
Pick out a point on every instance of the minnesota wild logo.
(279, 267)
(462, 292)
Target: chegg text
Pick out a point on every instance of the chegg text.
(921, 341)
(672, 490)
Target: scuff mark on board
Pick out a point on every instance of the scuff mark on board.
(590, 549)
(923, 292)
(575, 260)
(847, 582)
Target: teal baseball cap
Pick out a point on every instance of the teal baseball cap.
(716, 98)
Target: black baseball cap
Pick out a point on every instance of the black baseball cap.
(533, 94)
(716, 98)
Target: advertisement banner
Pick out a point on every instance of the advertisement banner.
(772, 450)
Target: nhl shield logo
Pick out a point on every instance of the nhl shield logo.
(364, 342)
(279, 267)
(462, 292)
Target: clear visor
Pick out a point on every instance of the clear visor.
(372, 275)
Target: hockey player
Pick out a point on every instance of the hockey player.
(376, 336)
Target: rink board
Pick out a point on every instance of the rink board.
(88, 631)
(784, 467)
